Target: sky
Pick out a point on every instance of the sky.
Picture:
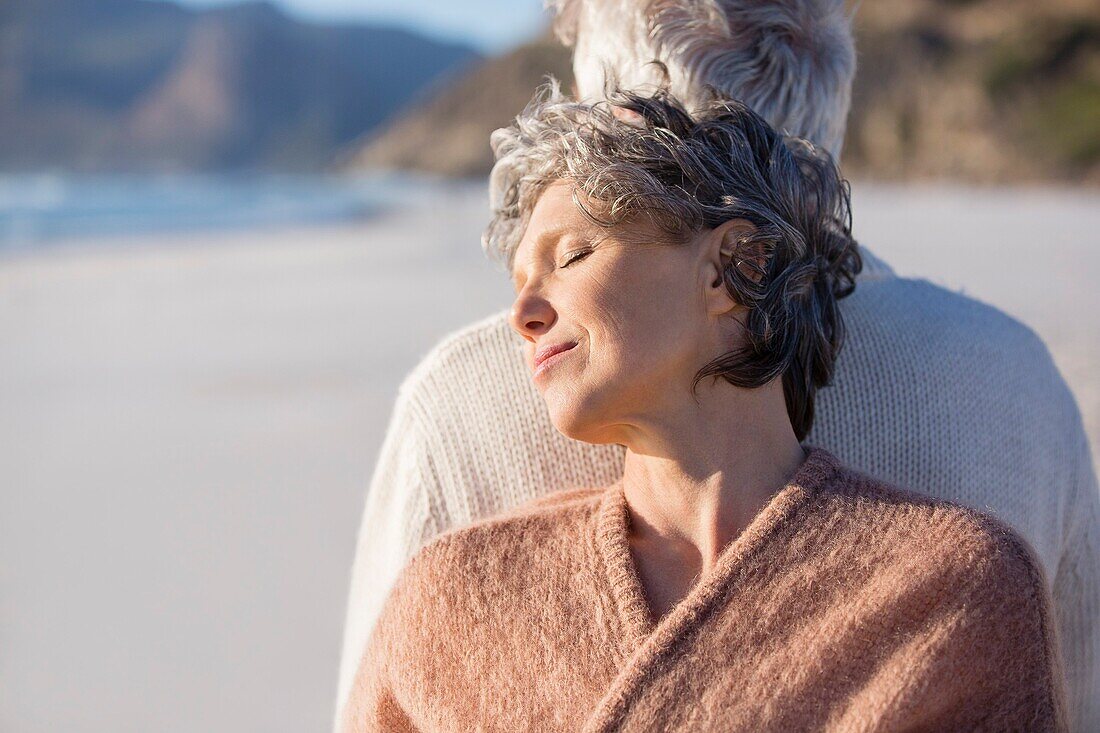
(491, 26)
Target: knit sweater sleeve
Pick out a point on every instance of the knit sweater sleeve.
(1077, 594)
(401, 513)
(990, 659)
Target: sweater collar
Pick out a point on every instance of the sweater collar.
(612, 528)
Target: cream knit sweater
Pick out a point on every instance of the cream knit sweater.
(845, 605)
(933, 391)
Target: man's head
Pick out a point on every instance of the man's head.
(792, 61)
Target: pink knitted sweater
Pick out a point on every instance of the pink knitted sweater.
(846, 605)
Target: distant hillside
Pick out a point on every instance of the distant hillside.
(449, 133)
(975, 90)
(980, 90)
(139, 85)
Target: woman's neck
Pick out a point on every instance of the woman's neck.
(696, 478)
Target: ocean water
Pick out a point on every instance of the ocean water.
(39, 209)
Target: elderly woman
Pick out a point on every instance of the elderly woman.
(677, 279)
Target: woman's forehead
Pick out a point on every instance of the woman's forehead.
(555, 201)
(554, 217)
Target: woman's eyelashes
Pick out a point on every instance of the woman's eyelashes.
(576, 255)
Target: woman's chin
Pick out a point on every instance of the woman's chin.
(577, 423)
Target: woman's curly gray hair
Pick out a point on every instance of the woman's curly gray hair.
(634, 156)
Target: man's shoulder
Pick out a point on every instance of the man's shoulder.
(489, 340)
(932, 342)
(902, 304)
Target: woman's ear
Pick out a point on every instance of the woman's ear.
(739, 246)
(729, 242)
(722, 247)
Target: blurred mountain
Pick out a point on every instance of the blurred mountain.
(980, 90)
(974, 90)
(147, 85)
(449, 133)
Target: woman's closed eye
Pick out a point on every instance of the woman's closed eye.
(576, 255)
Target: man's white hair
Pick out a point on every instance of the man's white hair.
(792, 61)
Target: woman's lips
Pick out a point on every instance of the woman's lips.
(549, 355)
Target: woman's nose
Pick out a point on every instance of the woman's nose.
(531, 316)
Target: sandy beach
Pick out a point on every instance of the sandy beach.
(187, 428)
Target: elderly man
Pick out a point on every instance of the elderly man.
(935, 392)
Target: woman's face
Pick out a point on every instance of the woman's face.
(640, 315)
